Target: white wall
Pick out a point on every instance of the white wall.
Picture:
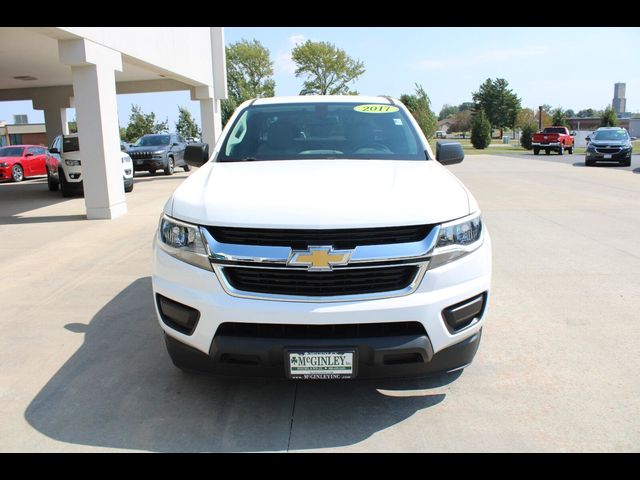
(183, 51)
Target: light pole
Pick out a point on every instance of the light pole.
(540, 117)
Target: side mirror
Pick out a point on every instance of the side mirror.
(53, 150)
(588, 139)
(122, 148)
(448, 153)
(573, 134)
(196, 154)
(28, 154)
(634, 138)
(174, 144)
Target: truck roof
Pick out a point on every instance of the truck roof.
(323, 99)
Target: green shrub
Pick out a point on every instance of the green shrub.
(527, 133)
(480, 131)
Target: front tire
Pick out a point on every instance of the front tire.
(561, 150)
(128, 188)
(547, 151)
(65, 188)
(17, 173)
(171, 166)
(589, 163)
(536, 151)
(51, 183)
(570, 150)
(187, 167)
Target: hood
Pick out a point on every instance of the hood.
(320, 194)
(612, 143)
(10, 159)
(148, 149)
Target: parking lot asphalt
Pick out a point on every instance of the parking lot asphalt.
(84, 366)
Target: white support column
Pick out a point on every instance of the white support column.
(210, 115)
(94, 89)
(55, 113)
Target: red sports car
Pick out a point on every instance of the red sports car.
(20, 161)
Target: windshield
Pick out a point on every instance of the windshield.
(295, 131)
(11, 152)
(616, 135)
(70, 144)
(554, 130)
(152, 141)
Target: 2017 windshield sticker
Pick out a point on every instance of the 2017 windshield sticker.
(374, 108)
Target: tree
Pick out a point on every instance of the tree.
(141, 124)
(480, 130)
(546, 119)
(186, 125)
(447, 111)
(73, 126)
(527, 132)
(609, 118)
(546, 108)
(249, 72)
(559, 118)
(499, 103)
(466, 106)
(328, 69)
(525, 116)
(570, 113)
(586, 113)
(419, 105)
(461, 122)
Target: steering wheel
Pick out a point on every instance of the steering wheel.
(379, 147)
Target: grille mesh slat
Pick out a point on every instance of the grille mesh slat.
(338, 238)
(320, 331)
(337, 282)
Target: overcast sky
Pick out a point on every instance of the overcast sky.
(569, 67)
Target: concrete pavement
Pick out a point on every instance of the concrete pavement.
(84, 366)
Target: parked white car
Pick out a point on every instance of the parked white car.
(64, 166)
(323, 239)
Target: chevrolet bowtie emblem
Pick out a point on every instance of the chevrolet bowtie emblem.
(319, 258)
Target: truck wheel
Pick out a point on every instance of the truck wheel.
(561, 149)
(65, 188)
(51, 183)
(187, 167)
(129, 188)
(171, 165)
(536, 151)
(547, 151)
(570, 149)
(17, 174)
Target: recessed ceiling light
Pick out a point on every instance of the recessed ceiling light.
(26, 78)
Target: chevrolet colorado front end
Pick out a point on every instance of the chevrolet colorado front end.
(322, 240)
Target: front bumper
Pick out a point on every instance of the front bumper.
(148, 164)
(614, 157)
(5, 172)
(440, 288)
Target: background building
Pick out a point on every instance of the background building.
(619, 100)
(86, 67)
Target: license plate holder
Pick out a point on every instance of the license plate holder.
(138, 162)
(607, 156)
(321, 364)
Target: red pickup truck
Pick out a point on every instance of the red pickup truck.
(553, 138)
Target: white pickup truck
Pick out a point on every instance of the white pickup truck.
(322, 239)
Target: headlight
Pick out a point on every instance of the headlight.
(457, 239)
(4, 164)
(591, 147)
(72, 163)
(183, 241)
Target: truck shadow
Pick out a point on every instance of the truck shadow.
(120, 390)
